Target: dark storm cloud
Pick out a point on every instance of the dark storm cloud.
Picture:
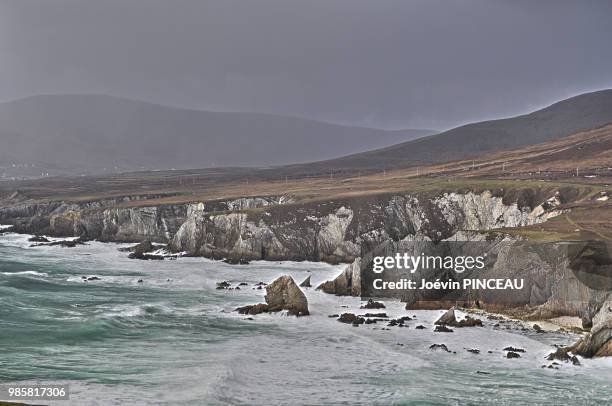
(379, 63)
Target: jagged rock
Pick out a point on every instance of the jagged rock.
(351, 318)
(146, 257)
(597, 343)
(236, 261)
(371, 304)
(328, 287)
(139, 251)
(514, 349)
(562, 354)
(473, 350)
(399, 322)
(537, 328)
(348, 283)
(90, 278)
(223, 285)
(61, 243)
(449, 319)
(442, 347)
(253, 309)
(66, 243)
(140, 248)
(512, 354)
(442, 329)
(373, 320)
(306, 283)
(284, 294)
(469, 322)
(379, 315)
(38, 238)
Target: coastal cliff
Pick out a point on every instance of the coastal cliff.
(345, 229)
(278, 227)
(558, 278)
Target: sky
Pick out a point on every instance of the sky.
(379, 63)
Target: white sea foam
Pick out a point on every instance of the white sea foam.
(33, 273)
(367, 364)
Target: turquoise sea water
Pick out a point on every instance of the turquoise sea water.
(173, 339)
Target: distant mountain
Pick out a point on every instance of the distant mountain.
(580, 113)
(66, 133)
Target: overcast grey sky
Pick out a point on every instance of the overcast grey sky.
(383, 63)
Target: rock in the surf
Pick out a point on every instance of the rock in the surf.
(450, 319)
(284, 294)
(597, 343)
(306, 283)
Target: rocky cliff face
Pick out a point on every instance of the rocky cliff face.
(344, 230)
(106, 220)
(558, 279)
(276, 227)
(111, 224)
(598, 343)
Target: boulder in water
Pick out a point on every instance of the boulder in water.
(284, 294)
(223, 285)
(449, 319)
(236, 261)
(61, 243)
(306, 283)
(442, 347)
(38, 238)
(140, 248)
(67, 243)
(442, 329)
(348, 283)
(253, 309)
(139, 251)
(351, 318)
(562, 354)
(514, 349)
(373, 305)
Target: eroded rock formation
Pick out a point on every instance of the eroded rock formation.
(282, 294)
(597, 343)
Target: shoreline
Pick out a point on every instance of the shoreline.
(549, 325)
(275, 346)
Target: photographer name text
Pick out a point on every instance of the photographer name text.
(450, 284)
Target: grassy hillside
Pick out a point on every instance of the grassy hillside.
(580, 113)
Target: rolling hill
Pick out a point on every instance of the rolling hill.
(580, 113)
(88, 133)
